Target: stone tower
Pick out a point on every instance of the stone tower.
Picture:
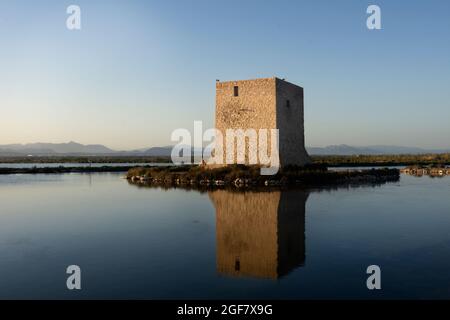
(268, 103)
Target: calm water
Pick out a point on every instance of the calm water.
(134, 242)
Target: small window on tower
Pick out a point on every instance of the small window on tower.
(236, 91)
(288, 103)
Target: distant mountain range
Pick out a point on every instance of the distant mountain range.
(73, 148)
(77, 149)
(54, 149)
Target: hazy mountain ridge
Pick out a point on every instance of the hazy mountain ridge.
(74, 148)
(55, 148)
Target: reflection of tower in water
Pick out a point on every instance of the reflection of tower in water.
(259, 234)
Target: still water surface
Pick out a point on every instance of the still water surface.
(135, 242)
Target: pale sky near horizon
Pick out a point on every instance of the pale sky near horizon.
(137, 70)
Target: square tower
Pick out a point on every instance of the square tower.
(268, 103)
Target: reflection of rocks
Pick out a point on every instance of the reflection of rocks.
(259, 234)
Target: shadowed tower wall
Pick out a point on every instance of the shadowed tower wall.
(259, 234)
(268, 103)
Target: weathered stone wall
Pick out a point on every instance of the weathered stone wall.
(254, 107)
(261, 104)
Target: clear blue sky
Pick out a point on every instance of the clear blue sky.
(139, 69)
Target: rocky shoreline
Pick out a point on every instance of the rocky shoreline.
(248, 177)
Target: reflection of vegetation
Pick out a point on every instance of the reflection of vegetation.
(349, 184)
(250, 176)
(383, 160)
